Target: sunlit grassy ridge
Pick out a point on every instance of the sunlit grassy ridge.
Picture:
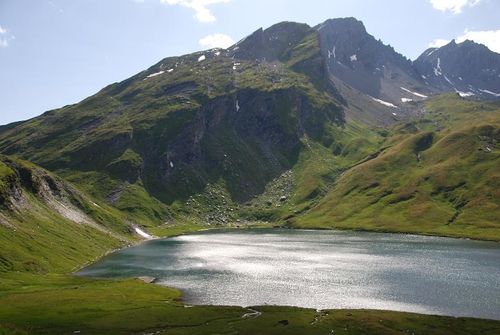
(440, 177)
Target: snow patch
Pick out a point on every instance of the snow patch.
(155, 74)
(414, 93)
(395, 114)
(142, 233)
(235, 65)
(170, 70)
(406, 100)
(237, 106)
(332, 53)
(449, 81)
(464, 94)
(437, 69)
(354, 58)
(385, 103)
(217, 53)
(171, 164)
(201, 58)
(489, 92)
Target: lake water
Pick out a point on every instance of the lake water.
(320, 269)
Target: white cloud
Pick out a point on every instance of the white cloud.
(438, 43)
(4, 40)
(455, 6)
(216, 41)
(490, 38)
(200, 7)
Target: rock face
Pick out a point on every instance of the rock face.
(220, 140)
(355, 58)
(467, 68)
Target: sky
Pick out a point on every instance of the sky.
(58, 52)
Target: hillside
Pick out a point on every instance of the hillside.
(48, 225)
(437, 174)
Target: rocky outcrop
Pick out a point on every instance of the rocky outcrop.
(247, 140)
(468, 68)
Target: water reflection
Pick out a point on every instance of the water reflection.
(320, 269)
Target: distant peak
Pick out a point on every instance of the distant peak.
(284, 25)
(350, 24)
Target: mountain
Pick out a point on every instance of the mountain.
(467, 68)
(370, 75)
(320, 126)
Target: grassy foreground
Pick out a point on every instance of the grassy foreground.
(63, 304)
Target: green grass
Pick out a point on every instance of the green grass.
(61, 304)
(441, 179)
(41, 222)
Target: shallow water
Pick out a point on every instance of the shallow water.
(320, 269)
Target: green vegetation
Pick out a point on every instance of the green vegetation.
(437, 175)
(58, 304)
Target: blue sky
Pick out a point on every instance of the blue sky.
(57, 52)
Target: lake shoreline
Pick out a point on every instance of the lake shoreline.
(263, 230)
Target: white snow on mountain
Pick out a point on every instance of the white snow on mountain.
(414, 93)
(155, 74)
(385, 103)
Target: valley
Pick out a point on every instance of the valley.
(295, 126)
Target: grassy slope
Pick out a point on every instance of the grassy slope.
(36, 237)
(439, 175)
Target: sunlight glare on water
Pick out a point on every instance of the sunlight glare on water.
(320, 269)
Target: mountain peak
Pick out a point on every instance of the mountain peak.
(344, 25)
(468, 68)
(357, 59)
(269, 44)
